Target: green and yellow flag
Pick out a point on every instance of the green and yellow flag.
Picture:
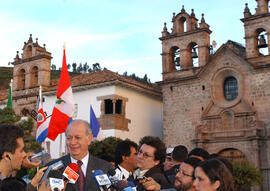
(9, 103)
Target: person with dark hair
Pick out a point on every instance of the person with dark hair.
(150, 160)
(184, 177)
(213, 175)
(199, 153)
(185, 174)
(11, 149)
(168, 163)
(126, 157)
(12, 184)
(17, 184)
(12, 155)
(179, 154)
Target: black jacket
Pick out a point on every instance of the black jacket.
(157, 174)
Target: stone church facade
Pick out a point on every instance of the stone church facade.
(31, 70)
(218, 100)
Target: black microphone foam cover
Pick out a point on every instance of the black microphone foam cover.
(111, 172)
(55, 174)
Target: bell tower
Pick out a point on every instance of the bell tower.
(187, 46)
(257, 34)
(30, 71)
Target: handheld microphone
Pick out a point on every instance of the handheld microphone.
(55, 179)
(123, 184)
(128, 189)
(55, 166)
(115, 175)
(101, 179)
(70, 173)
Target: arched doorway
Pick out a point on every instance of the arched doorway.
(233, 154)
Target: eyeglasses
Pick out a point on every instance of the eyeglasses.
(145, 155)
(179, 170)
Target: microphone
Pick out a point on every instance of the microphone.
(55, 179)
(55, 166)
(70, 173)
(102, 179)
(115, 175)
(123, 184)
(129, 189)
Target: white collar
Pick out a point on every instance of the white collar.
(139, 172)
(124, 171)
(84, 160)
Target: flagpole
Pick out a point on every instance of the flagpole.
(11, 81)
(60, 150)
(61, 138)
(40, 95)
(9, 102)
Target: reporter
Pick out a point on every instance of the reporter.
(16, 184)
(213, 175)
(12, 184)
(12, 155)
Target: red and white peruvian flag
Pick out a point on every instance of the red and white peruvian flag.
(64, 106)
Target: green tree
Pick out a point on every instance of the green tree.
(53, 67)
(74, 67)
(80, 68)
(106, 146)
(96, 67)
(245, 175)
(68, 66)
(7, 115)
(85, 67)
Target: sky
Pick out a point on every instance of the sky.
(121, 35)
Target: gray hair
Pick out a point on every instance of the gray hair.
(86, 125)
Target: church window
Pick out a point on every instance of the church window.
(113, 112)
(34, 76)
(262, 41)
(174, 58)
(118, 106)
(29, 52)
(108, 106)
(21, 79)
(230, 88)
(182, 25)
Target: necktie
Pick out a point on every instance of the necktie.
(81, 176)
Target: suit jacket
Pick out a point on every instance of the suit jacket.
(157, 174)
(171, 173)
(93, 164)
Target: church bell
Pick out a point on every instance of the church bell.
(262, 42)
(177, 61)
(194, 53)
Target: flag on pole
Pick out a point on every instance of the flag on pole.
(42, 123)
(64, 106)
(9, 103)
(94, 123)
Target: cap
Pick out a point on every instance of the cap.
(169, 150)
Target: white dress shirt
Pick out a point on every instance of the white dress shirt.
(124, 171)
(84, 165)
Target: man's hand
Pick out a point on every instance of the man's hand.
(35, 180)
(26, 163)
(150, 184)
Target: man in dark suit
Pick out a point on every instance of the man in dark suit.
(78, 138)
(126, 157)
